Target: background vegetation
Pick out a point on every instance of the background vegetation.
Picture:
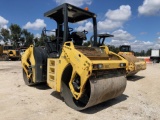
(22, 38)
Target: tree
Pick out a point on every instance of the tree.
(113, 48)
(142, 53)
(148, 53)
(136, 53)
(15, 34)
(52, 37)
(39, 42)
(23, 37)
(5, 34)
(29, 40)
(26, 38)
(87, 43)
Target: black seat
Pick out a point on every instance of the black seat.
(51, 49)
(78, 37)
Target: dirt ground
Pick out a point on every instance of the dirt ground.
(140, 101)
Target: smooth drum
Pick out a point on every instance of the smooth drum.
(100, 90)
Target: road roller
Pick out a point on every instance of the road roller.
(134, 64)
(84, 76)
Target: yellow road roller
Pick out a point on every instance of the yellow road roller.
(8, 52)
(84, 76)
(3, 56)
(134, 64)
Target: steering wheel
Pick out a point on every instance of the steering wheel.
(85, 32)
(46, 37)
(70, 29)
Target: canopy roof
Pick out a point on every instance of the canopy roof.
(74, 13)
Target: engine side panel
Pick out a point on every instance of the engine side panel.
(40, 56)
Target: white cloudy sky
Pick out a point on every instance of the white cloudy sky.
(134, 23)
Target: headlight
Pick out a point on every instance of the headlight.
(122, 64)
(97, 66)
(100, 66)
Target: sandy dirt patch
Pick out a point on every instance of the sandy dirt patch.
(140, 101)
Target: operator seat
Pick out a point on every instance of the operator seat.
(78, 38)
(51, 48)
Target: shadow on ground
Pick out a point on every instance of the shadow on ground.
(134, 78)
(104, 105)
(96, 108)
(41, 86)
(57, 95)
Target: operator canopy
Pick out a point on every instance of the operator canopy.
(74, 13)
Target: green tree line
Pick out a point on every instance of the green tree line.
(22, 37)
